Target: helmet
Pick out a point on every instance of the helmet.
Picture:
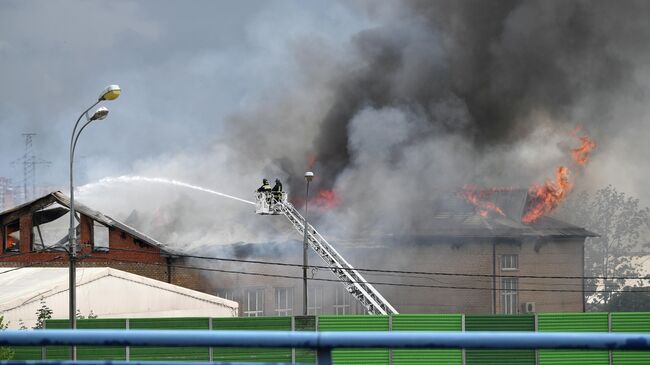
(264, 181)
(277, 181)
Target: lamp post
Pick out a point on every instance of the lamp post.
(112, 92)
(308, 176)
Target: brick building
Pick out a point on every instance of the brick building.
(485, 263)
(36, 234)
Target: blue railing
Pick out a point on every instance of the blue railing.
(323, 342)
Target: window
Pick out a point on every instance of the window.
(50, 228)
(509, 262)
(226, 294)
(230, 294)
(509, 295)
(254, 302)
(284, 301)
(342, 301)
(100, 237)
(315, 300)
(12, 237)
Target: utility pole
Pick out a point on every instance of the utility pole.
(29, 162)
(305, 246)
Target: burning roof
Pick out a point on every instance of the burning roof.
(541, 198)
(454, 216)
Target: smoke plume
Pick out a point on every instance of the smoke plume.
(415, 99)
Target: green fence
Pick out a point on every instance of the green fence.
(573, 322)
(427, 322)
(500, 323)
(356, 323)
(543, 322)
(630, 322)
(252, 354)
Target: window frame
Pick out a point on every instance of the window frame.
(315, 301)
(259, 299)
(344, 306)
(288, 294)
(510, 295)
(508, 259)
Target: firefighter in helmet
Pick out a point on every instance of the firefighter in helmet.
(277, 190)
(265, 188)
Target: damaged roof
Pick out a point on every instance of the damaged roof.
(455, 217)
(58, 197)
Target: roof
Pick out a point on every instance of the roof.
(64, 200)
(454, 216)
(449, 215)
(25, 287)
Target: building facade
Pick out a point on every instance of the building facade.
(457, 260)
(36, 234)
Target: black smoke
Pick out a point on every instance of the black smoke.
(478, 69)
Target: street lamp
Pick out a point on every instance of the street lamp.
(308, 176)
(111, 92)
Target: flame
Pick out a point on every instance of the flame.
(581, 154)
(327, 199)
(479, 198)
(542, 199)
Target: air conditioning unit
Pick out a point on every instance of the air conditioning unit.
(529, 307)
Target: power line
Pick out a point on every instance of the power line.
(276, 263)
(373, 283)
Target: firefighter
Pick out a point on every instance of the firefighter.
(277, 190)
(265, 188)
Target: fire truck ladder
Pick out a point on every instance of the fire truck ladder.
(365, 293)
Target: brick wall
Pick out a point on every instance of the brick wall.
(125, 252)
(471, 256)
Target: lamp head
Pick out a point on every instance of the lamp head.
(100, 114)
(111, 92)
(309, 176)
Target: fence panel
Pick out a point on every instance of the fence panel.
(356, 323)
(87, 352)
(631, 322)
(500, 323)
(244, 354)
(170, 353)
(572, 322)
(427, 322)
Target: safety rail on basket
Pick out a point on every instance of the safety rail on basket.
(269, 202)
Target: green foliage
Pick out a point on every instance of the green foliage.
(6, 353)
(620, 222)
(91, 315)
(631, 299)
(42, 314)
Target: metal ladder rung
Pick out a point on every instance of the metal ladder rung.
(355, 283)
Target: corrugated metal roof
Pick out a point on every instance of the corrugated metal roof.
(64, 200)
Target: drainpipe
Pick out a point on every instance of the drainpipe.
(169, 270)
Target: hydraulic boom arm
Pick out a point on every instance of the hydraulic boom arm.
(365, 293)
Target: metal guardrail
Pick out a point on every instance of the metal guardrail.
(323, 342)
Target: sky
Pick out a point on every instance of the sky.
(182, 68)
(416, 96)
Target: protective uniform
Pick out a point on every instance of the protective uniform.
(277, 190)
(266, 187)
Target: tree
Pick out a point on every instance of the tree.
(6, 353)
(620, 222)
(630, 299)
(42, 314)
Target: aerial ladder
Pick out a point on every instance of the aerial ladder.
(276, 203)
